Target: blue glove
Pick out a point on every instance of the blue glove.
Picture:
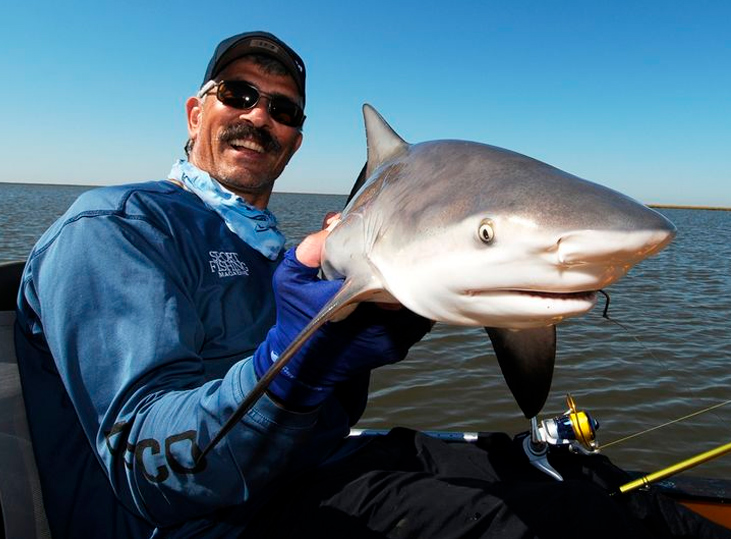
(370, 337)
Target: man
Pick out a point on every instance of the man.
(147, 313)
(140, 310)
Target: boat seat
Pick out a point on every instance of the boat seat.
(10, 273)
(23, 515)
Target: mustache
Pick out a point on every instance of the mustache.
(248, 131)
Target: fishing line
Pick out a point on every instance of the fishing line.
(605, 314)
(678, 420)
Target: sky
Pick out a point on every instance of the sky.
(634, 95)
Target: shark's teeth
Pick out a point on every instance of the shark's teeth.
(247, 144)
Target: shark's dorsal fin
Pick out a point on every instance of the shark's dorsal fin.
(383, 142)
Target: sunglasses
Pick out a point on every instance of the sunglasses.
(243, 95)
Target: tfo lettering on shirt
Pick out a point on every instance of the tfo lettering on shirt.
(178, 453)
(227, 264)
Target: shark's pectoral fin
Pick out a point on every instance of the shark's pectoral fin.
(340, 305)
(526, 359)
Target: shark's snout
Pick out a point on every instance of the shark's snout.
(610, 247)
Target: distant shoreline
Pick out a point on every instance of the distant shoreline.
(682, 207)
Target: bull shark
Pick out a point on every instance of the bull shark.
(470, 234)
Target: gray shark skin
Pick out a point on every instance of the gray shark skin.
(470, 234)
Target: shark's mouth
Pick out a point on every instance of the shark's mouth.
(581, 296)
(589, 295)
(519, 308)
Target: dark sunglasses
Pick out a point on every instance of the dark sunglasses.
(243, 95)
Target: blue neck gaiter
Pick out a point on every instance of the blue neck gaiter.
(258, 228)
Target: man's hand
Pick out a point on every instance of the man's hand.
(370, 337)
(309, 252)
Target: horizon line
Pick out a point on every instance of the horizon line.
(649, 205)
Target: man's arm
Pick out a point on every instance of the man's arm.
(124, 329)
(120, 316)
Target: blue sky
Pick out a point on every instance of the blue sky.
(633, 95)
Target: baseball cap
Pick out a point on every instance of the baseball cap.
(239, 45)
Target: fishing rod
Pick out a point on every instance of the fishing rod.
(675, 468)
(577, 430)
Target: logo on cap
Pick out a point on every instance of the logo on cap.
(264, 45)
(274, 49)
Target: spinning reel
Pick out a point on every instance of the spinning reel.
(574, 430)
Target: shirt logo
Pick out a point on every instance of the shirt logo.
(227, 264)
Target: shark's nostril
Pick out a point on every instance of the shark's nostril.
(570, 251)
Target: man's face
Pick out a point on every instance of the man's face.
(245, 150)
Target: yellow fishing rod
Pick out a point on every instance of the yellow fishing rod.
(676, 468)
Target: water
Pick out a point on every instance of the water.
(671, 358)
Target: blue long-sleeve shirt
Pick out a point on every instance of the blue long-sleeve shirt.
(138, 312)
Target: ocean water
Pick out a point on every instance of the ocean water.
(665, 355)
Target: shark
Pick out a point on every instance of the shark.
(470, 234)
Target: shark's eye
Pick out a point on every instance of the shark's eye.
(486, 232)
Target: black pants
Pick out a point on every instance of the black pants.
(409, 485)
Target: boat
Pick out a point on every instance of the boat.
(21, 504)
